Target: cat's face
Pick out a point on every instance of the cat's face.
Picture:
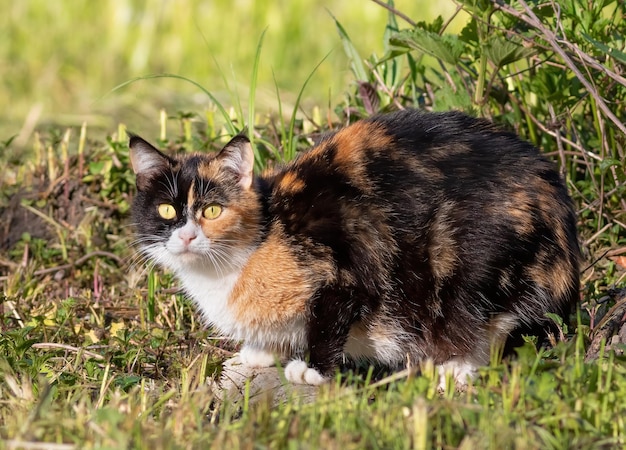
(197, 211)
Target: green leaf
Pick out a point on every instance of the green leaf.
(469, 33)
(448, 98)
(355, 59)
(607, 163)
(612, 52)
(502, 52)
(476, 6)
(447, 48)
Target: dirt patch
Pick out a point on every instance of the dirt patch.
(62, 203)
(16, 220)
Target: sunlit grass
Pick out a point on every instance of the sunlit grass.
(60, 59)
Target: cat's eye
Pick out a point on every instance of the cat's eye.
(167, 211)
(212, 212)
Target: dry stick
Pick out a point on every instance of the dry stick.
(616, 252)
(46, 345)
(395, 12)
(384, 87)
(553, 133)
(592, 62)
(447, 23)
(76, 263)
(534, 21)
(9, 264)
(597, 235)
(559, 142)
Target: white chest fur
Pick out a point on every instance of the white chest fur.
(211, 294)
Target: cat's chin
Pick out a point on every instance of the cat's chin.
(193, 261)
(189, 262)
(190, 259)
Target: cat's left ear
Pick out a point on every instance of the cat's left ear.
(239, 157)
(146, 160)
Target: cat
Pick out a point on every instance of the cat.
(401, 238)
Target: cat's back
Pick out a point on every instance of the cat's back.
(413, 159)
(436, 193)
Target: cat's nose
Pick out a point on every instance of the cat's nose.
(187, 236)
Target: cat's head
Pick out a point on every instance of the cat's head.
(196, 211)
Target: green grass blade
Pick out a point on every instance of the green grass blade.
(233, 93)
(252, 98)
(220, 107)
(281, 119)
(290, 149)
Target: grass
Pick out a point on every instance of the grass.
(57, 71)
(96, 352)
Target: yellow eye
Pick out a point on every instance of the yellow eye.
(212, 212)
(167, 211)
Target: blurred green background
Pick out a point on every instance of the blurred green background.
(60, 59)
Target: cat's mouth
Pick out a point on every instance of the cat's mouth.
(187, 255)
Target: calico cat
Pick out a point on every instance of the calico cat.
(401, 238)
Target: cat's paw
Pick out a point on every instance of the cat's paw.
(298, 372)
(460, 372)
(256, 357)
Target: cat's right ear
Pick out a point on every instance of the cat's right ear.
(147, 161)
(238, 156)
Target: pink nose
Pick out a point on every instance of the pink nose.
(187, 236)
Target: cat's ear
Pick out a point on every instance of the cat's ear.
(239, 157)
(146, 160)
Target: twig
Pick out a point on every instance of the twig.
(384, 87)
(616, 252)
(592, 62)
(447, 23)
(46, 345)
(553, 133)
(9, 264)
(559, 142)
(76, 263)
(598, 234)
(395, 12)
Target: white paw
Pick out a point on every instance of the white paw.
(460, 371)
(256, 357)
(298, 372)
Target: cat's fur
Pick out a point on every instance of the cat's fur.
(401, 238)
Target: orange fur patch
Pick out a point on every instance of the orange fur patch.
(520, 210)
(355, 145)
(191, 195)
(553, 274)
(290, 183)
(238, 223)
(274, 287)
(443, 246)
(208, 169)
(353, 141)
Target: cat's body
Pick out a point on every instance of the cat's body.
(401, 238)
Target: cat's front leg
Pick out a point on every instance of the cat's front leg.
(256, 356)
(332, 314)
